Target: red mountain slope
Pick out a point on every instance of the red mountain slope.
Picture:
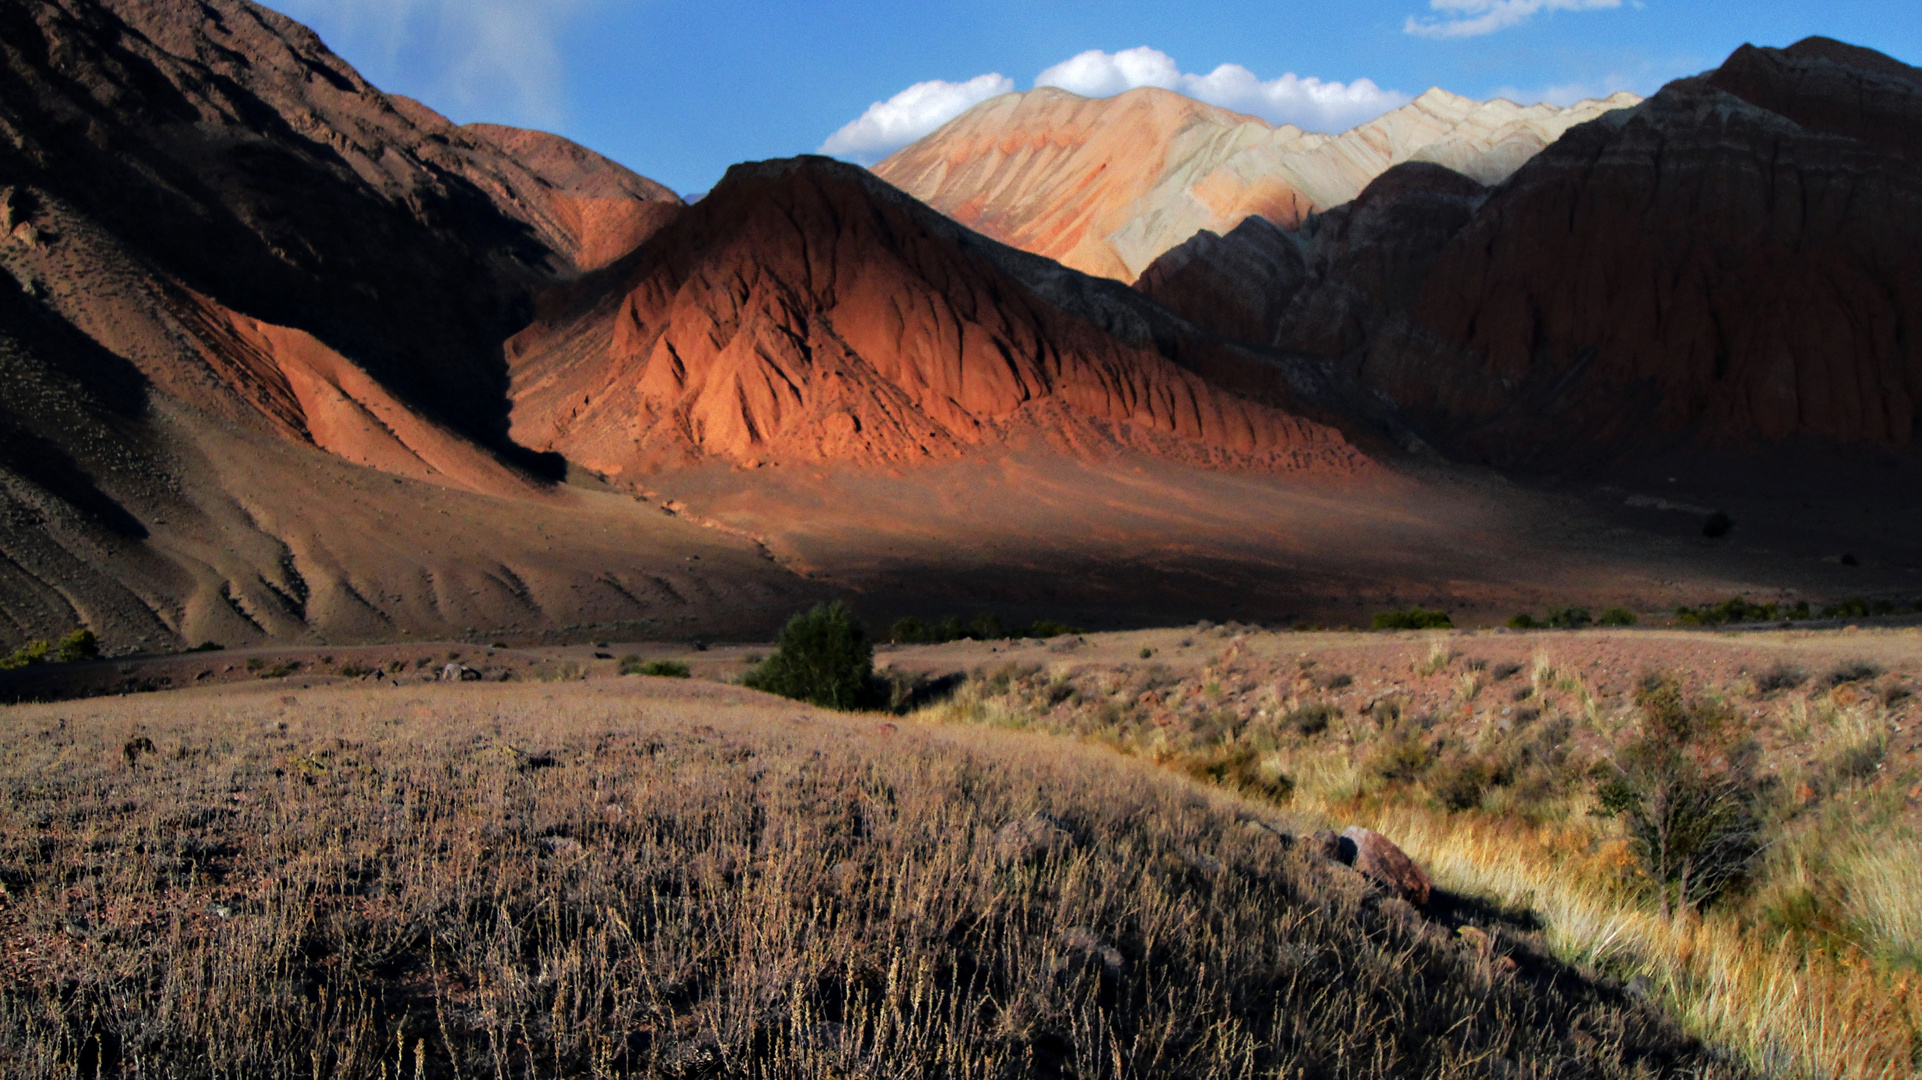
(803, 311)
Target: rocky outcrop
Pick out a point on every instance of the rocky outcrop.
(805, 312)
(1106, 186)
(1379, 860)
(1735, 262)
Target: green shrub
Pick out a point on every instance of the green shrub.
(1846, 609)
(910, 631)
(1522, 621)
(33, 652)
(77, 646)
(1048, 628)
(665, 669)
(207, 646)
(824, 658)
(1618, 616)
(1569, 618)
(1415, 618)
(986, 627)
(1733, 610)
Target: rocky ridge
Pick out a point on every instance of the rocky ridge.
(1731, 264)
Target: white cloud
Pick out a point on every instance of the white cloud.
(889, 125)
(493, 60)
(1306, 102)
(1470, 18)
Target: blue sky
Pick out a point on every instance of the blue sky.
(679, 89)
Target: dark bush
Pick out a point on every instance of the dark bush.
(1618, 616)
(1415, 618)
(1402, 758)
(207, 646)
(1311, 719)
(1686, 796)
(1717, 525)
(1733, 610)
(824, 658)
(1505, 671)
(910, 631)
(1459, 784)
(1048, 628)
(1239, 768)
(1780, 677)
(660, 669)
(1855, 671)
(1522, 621)
(1569, 618)
(986, 627)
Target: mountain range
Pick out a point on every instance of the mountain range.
(292, 358)
(1108, 185)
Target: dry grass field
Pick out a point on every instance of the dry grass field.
(1483, 755)
(654, 877)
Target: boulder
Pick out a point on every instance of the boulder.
(1380, 860)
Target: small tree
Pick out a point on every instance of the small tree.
(1686, 796)
(825, 658)
(33, 652)
(79, 645)
(909, 631)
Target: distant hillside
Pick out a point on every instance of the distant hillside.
(1734, 263)
(1105, 186)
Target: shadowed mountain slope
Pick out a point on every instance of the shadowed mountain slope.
(250, 348)
(1107, 185)
(1736, 262)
